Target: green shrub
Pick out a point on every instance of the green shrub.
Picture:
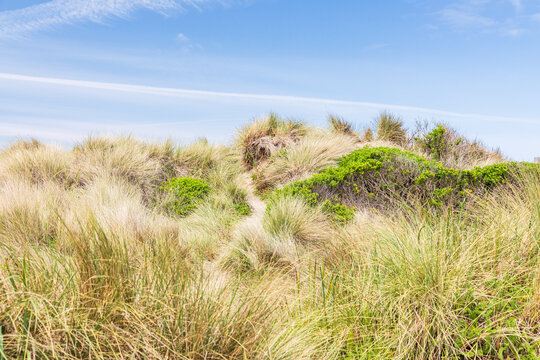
(434, 142)
(187, 192)
(383, 177)
(446, 145)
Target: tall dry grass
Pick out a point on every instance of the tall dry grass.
(262, 138)
(92, 266)
(313, 153)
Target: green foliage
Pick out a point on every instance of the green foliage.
(378, 177)
(434, 142)
(243, 209)
(444, 144)
(186, 192)
(239, 201)
(482, 318)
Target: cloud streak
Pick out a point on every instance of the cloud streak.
(214, 95)
(69, 131)
(485, 15)
(52, 14)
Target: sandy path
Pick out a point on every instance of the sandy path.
(257, 205)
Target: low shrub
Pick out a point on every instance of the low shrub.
(186, 193)
(444, 144)
(384, 177)
(435, 143)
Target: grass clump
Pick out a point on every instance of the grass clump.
(262, 138)
(339, 125)
(390, 128)
(186, 193)
(36, 163)
(314, 153)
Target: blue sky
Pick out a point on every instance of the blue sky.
(186, 69)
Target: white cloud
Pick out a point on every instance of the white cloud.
(55, 13)
(182, 38)
(68, 131)
(488, 16)
(515, 32)
(215, 95)
(459, 17)
(517, 4)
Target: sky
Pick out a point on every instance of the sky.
(185, 69)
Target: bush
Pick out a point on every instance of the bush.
(383, 177)
(435, 143)
(444, 144)
(187, 192)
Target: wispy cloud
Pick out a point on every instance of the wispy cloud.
(517, 4)
(56, 13)
(487, 16)
(215, 95)
(182, 38)
(67, 131)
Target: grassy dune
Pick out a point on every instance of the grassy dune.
(103, 256)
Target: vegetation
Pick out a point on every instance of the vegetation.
(185, 193)
(317, 151)
(262, 138)
(339, 125)
(390, 128)
(123, 249)
(444, 144)
(380, 177)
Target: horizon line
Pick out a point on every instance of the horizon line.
(184, 93)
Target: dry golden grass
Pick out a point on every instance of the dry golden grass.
(313, 153)
(262, 138)
(92, 267)
(339, 125)
(37, 163)
(390, 128)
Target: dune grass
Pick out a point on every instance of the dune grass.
(94, 266)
